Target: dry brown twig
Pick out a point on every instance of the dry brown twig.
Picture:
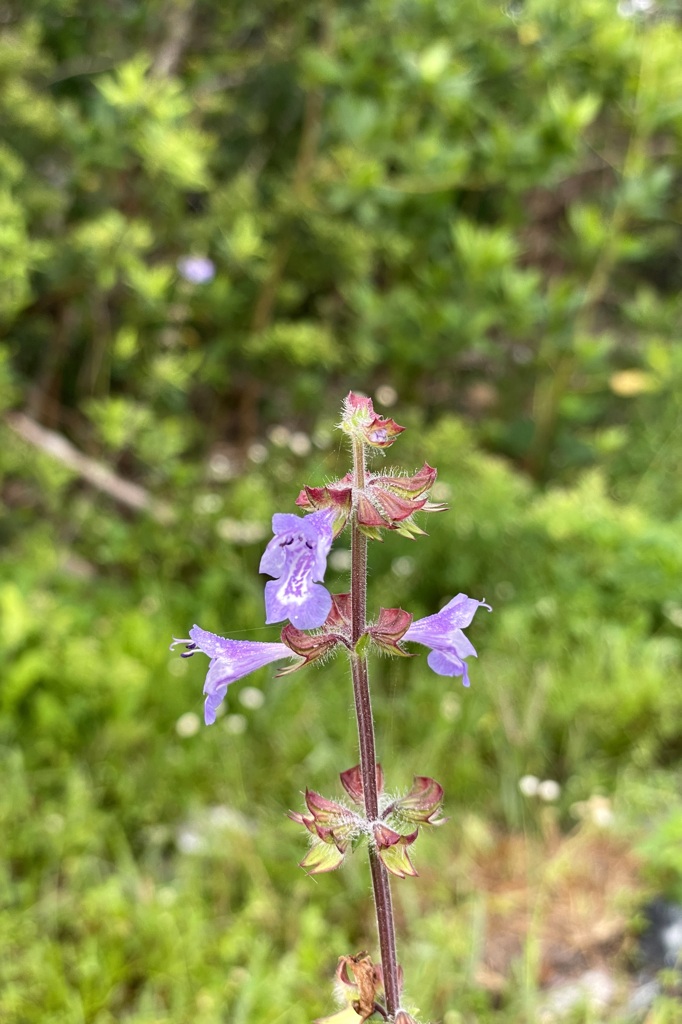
(94, 472)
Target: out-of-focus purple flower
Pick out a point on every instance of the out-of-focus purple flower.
(230, 660)
(297, 557)
(442, 632)
(196, 269)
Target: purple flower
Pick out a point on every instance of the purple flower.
(297, 557)
(230, 660)
(442, 632)
(196, 269)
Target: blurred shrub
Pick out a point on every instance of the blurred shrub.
(476, 206)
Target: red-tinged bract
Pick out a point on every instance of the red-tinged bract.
(384, 503)
(422, 805)
(351, 780)
(362, 422)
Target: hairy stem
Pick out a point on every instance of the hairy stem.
(368, 761)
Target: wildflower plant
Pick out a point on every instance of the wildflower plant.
(367, 504)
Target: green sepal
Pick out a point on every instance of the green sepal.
(321, 857)
(372, 532)
(345, 1016)
(410, 530)
(396, 859)
(422, 805)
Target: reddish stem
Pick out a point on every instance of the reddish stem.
(368, 762)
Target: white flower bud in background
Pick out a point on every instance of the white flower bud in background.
(235, 724)
(549, 791)
(528, 784)
(188, 725)
(252, 698)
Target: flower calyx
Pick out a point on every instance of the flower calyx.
(332, 827)
(310, 646)
(385, 502)
(422, 805)
(387, 632)
(351, 780)
(359, 982)
(361, 422)
(392, 848)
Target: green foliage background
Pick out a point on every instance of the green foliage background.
(472, 208)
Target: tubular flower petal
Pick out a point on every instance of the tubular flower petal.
(230, 660)
(442, 632)
(297, 558)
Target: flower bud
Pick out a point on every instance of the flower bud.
(361, 422)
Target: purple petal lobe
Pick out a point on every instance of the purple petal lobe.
(456, 614)
(442, 632)
(297, 558)
(305, 609)
(446, 663)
